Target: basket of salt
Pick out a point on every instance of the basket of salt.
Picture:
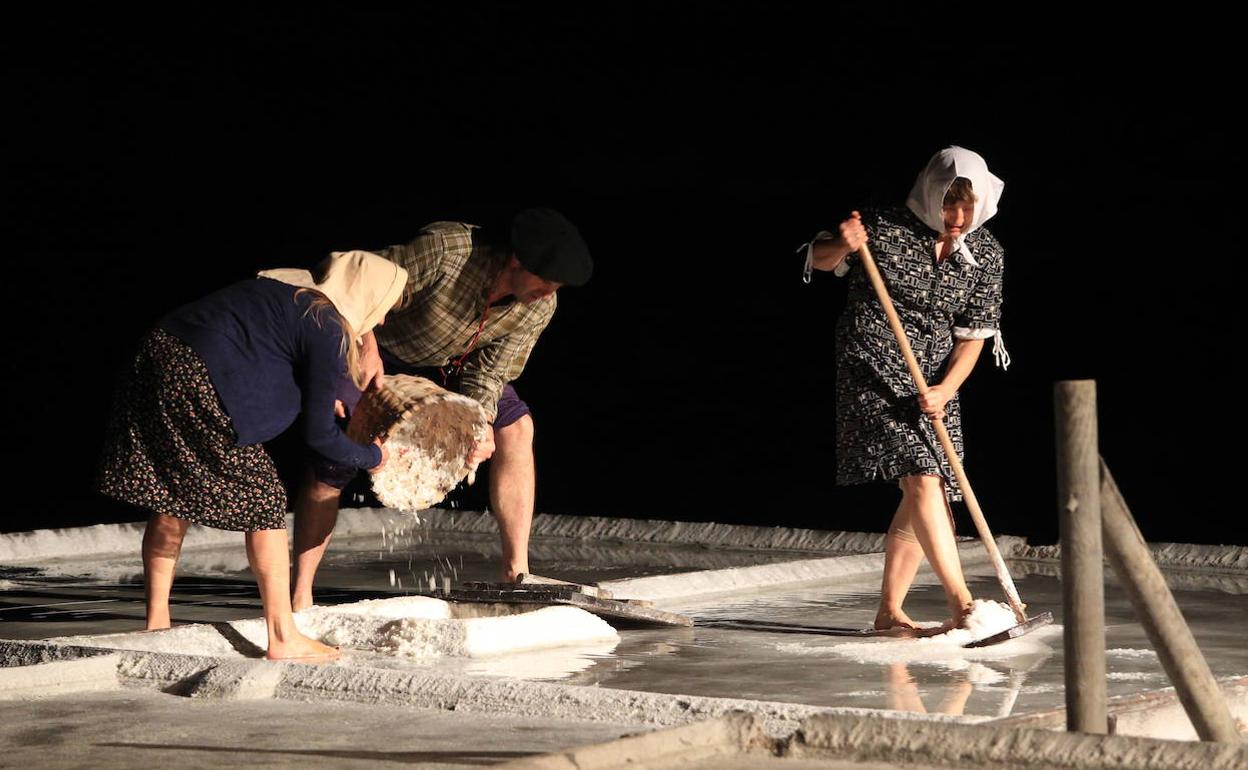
(428, 431)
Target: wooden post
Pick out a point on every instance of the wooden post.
(1083, 570)
(1154, 605)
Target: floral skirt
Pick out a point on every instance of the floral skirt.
(172, 449)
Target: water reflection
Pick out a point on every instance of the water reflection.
(905, 691)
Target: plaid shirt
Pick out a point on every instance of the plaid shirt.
(450, 279)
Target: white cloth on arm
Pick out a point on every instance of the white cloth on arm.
(1000, 355)
(809, 246)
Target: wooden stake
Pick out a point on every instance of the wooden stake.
(1083, 565)
(1154, 605)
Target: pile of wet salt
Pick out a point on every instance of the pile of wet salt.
(476, 637)
(410, 627)
(423, 627)
(985, 619)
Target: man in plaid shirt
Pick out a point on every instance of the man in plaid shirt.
(477, 309)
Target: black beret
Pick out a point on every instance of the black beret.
(550, 246)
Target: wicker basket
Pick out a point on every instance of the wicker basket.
(428, 431)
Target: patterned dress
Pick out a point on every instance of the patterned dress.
(880, 432)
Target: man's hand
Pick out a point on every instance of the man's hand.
(370, 363)
(482, 449)
(932, 403)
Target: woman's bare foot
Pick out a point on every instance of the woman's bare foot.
(896, 618)
(959, 613)
(298, 647)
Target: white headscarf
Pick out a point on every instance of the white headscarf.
(363, 286)
(928, 194)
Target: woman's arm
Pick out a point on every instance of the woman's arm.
(827, 253)
(323, 369)
(961, 362)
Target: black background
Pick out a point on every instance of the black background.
(157, 156)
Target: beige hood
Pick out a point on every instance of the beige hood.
(362, 285)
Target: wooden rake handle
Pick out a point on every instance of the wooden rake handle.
(977, 514)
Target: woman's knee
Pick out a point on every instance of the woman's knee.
(922, 485)
(164, 534)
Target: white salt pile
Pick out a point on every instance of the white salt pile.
(198, 639)
(356, 625)
(424, 627)
(405, 626)
(476, 637)
(986, 618)
(396, 608)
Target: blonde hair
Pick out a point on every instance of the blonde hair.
(959, 191)
(317, 308)
(320, 303)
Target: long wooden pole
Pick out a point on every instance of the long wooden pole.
(977, 515)
(1083, 565)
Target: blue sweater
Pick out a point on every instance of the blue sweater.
(269, 359)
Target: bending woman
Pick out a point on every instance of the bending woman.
(212, 381)
(943, 271)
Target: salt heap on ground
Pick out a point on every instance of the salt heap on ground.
(405, 626)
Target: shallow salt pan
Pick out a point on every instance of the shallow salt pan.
(1020, 677)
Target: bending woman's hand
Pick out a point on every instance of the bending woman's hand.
(932, 403)
(385, 455)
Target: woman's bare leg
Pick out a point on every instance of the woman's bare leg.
(162, 542)
(270, 563)
(933, 526)
(316, 513)
(902, 556)
(903, 691)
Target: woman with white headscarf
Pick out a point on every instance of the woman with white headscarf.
(943, 270)
(214, 380)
